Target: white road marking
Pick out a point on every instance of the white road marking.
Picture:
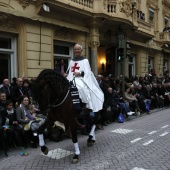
(136, 168)
(163, 134)
(164, 126)
(135, 140)
(58, 153)
(150, 133)
(122, 131)
(148, 142)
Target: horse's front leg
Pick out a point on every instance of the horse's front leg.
(41, 129)
(73, 128)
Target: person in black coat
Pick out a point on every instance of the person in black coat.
(17, 92)
(155, 102)
(9, 119)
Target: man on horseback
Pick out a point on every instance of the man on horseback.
(89, 91)
(79, 72)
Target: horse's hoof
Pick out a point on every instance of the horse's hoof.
(91, 143)
(44, 149)
(75, 159)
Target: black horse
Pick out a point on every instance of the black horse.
(52, 92)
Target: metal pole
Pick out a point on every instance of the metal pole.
(123, 69)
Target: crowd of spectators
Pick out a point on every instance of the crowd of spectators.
(141, 95)
(15, 113)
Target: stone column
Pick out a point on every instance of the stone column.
(94, 61)
(94, 43)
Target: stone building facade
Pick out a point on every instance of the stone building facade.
(36, 34)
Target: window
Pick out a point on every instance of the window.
(150, 64)
(132, 65)
(8, 56)
(62, 51)
(151, 16)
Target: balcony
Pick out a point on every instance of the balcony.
(145, 28)
(112, 11)
(164, 37)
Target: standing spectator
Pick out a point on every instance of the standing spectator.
(6, 88)
(17, 92)
(13, 83)
(62, 67)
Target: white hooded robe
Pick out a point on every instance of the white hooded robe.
(88, 87)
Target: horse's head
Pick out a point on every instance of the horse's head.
(49, 88)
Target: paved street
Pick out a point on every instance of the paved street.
(141, 143)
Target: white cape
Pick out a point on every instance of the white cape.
(88, 87)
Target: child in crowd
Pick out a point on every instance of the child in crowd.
(31, 115)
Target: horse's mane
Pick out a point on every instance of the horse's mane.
(53, 78)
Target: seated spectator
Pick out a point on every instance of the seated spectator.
(144, 91)
(3, 138)
(141, 99)
(6, 88)
(30, 114)
(121, 102)
(131, 101)
(136, 81)
(9, 119)
(27, 87)
(161, 94)
(2, 100)
(156, 100)
(135, 91)
(166, 94)
(21, 113)
(110, 104)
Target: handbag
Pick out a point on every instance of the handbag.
(120, 118)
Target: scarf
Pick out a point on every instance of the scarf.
(78, 58)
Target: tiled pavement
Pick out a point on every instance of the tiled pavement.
(139, 144)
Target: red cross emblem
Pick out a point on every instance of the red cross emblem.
(75, 67)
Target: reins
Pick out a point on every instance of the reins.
(56, 105)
